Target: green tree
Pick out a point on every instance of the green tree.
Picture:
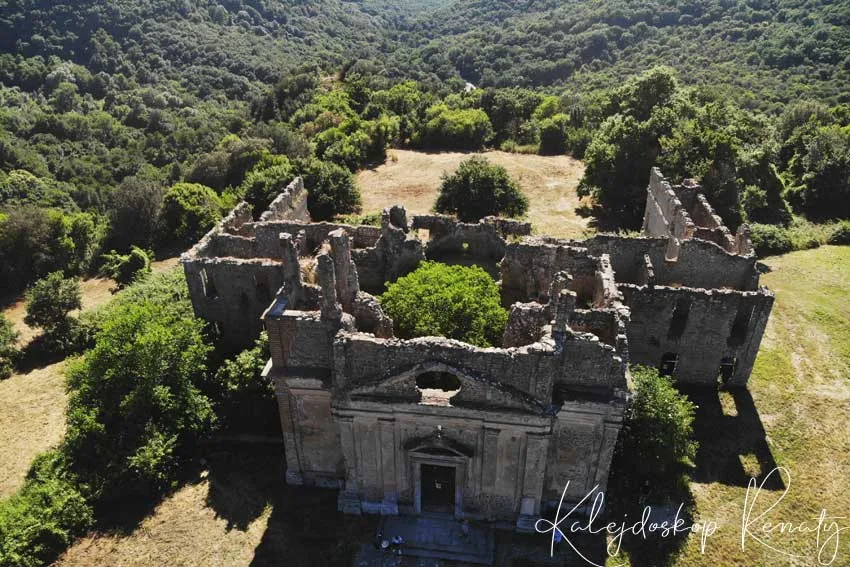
(627, 145)
(50, 302)
(478, 189)
(822, 187)
(189, 210)
(466, 129)
(8, 353)
(332, 189)
(134, 211)
(35, 242)
(262, 186)
(508, 109)
(136, 405)
(244, 398)
(126, 268)
(553, 134)
(458, 302)
(657, 429)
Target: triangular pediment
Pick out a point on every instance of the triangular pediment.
(472, 391)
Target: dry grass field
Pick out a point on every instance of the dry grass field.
(413, 180)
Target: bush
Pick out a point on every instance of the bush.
(840, 234)
(136, 405)
(190, 210)
(331, 189)
(458, 302)
(479, 189)
(262, 186)
(369, 219)
(43, 518)
(8, 353)
(50, 302)
(126, 268)
(456, 128)
(657, 428)
(769, 239)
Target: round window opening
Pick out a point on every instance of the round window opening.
(437, 388)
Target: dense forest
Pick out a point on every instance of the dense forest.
(136, 124)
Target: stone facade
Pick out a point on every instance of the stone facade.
(410, 426)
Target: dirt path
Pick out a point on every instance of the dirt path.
(413, 180)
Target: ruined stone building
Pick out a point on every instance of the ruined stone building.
(436, 425)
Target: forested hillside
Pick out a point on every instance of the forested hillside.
(137, 123)
(768, 52)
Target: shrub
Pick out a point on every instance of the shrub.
(479, 189)
(262, 186)
(331, 189)
(369, 219)
(657, 428)
(50, 302)
(126, 268)
(769, 239)
(189, 210)
(458, 302)
(43, 518)
(136, 404)
(840, 234)
(8, 353)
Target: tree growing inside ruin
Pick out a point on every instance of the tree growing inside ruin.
(458, 302)
(478, 189)
(657, 429)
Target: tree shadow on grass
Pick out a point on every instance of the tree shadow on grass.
(600, 219)
(732, 441)
(243, 480)
(305, 529)
(37, 354)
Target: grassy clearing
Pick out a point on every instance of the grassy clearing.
(413, 180)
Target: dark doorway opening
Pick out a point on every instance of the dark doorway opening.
(668, 364)
(438, 489)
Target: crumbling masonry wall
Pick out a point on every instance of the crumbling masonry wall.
(699, 336)
(232, 280)
(542, 410)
